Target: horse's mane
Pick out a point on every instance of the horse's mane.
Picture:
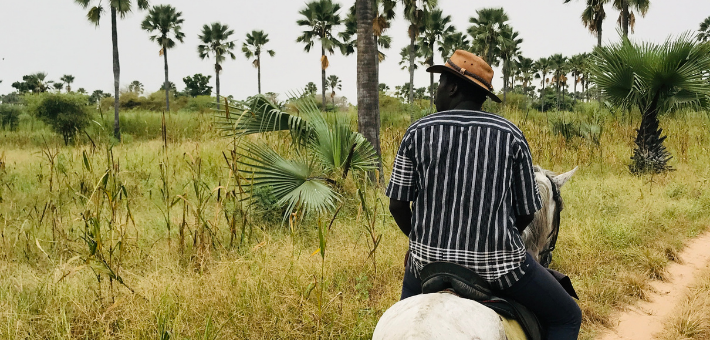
(537, 233)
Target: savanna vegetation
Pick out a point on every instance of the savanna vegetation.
(192, 216)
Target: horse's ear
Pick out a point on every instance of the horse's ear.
(561, 179)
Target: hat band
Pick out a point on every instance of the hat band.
(467, 73)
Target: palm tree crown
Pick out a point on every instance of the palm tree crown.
(216, 44)
(627, 18)
(486, 29)
(435, 28)
(704, 32)
(252, 48)
(320, 18)
(67, 79)
(166, 22)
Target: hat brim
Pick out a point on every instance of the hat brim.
(446, 69)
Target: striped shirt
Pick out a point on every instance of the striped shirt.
(469, 173)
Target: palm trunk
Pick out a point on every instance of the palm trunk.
(368, 102)
(625, 17)
(258, 71)
(216, 78)
(377, 59)
(411, 69)
(116, 75)
(322, 75)
(650, 155)
(542, 94)
(599, 35)
(167, 82)
(505, 82)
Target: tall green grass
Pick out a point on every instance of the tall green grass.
(618, 232)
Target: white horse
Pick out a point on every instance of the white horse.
(448, 317)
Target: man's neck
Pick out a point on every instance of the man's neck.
(467, 105)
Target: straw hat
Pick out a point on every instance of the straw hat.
(471, 67)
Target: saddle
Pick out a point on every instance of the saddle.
(440, 276)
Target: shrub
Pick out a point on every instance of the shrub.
(200, 104)
(10, 116)
(66, 114)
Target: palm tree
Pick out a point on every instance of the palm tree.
(558, 64)
(117, 8)
(434, 29)
(321, 18)
(704, 32)
(334, 83)
(58, 86)
(593, 17)
(655, 79)
(167, 21)
(576, 68)
(216, 44)
(67, 79)
(136, 87)
(627, 19)
(486, 29)
(542, 67)
(452, 42)
(252, 48)
(509, 48)
(414, 12)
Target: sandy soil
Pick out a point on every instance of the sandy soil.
(647, 318)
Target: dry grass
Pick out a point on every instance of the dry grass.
(618, 232)
(691, 319)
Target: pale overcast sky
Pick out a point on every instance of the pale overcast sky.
(54, 36)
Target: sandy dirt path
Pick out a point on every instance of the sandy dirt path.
(647, 318)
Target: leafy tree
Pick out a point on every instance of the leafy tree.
(97, 95)
(542, 68)
(81, 90)
(311, 88)
(117, 8)
(414, 12)
(509, 49)
(334, 83)
(320, 18)
(216, 44)
(197, 85)
(627, 19)
(66, 114)
(252, 48)
(593, 17)
(10, 116)
(558, 63)
(382, 87)
(655, 79)
(58, 86)
(165, 23)
(704, 32)
(434, 29)
(67, 79)
(136, 87)
(34, 83)
(454, 41)
(486, 30)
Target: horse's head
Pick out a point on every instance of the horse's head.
(540, 236)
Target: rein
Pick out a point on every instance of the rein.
(546, 254)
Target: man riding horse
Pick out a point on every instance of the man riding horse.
(463, 190)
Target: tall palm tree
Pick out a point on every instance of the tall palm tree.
(252, 48)
(593, 17)
(136, 87)
(627, 19)
(655, 79)
(526, 66)
(704, 32)
(320, 18)
(414, 12)
(117, 8)
(334, 83)
(434, 29)
(216, 44)
(452, 42)
(509, 48)
(167, 22)
(542, 67)
(559, 73)
(58, 86)
(67, 79)
(486, 29)
(576, 68)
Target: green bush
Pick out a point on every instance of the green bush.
(10, 116)
(200, 104)
(66, 114)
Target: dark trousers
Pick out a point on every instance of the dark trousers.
(538, 291)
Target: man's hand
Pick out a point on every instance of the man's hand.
(402, 213)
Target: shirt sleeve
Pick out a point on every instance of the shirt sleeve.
(526, 198)
(403, 184)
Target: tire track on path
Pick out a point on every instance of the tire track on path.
(647, 318)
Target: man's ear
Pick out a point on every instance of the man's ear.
(453, 88)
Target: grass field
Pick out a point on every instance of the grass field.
(228, 271)
(691, 319)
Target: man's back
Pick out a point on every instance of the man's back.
(469, 174)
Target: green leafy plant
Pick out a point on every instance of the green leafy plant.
(66, 114)
(10, 116)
